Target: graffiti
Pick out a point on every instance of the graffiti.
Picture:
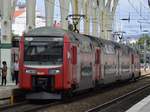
(86, 70)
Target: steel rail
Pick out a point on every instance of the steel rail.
(102, 106)
(2, 108)
(27, 107)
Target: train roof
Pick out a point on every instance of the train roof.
(102, 42)
(46, 31)
(58, 32)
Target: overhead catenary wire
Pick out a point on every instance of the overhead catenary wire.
(136, 10)
(147, 8)
(136, 14)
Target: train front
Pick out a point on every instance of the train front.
(41, 67)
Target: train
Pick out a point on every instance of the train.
(54, 62)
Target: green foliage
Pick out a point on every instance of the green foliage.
(142, 39)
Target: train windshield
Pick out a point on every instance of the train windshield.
(43, 51)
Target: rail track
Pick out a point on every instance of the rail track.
(27, 107)
(30, 107)
(103, 107)
(144, 76)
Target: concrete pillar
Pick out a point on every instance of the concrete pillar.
(94, 17)
(110, 10)
(98, 22)
(108, 20)
(87, 21)
(30, 14)
(109, 26)
(80, 10)
(95, 24)
(64, 12)
(1, 6)
(108, 5)
(101, 17)
(75, 6)
(105, 24)
(49, 11)
(105, 19)
(102, 24)
(13, 6)
(115, 3)
(6, 36)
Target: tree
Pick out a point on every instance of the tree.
(142, 39)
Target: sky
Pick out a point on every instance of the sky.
(139, 14)
(137, 10)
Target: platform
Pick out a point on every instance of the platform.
(10, 94)
(7, 91)
(142, 106)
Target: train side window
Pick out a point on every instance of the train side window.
(109, 49)
(74, 55)
(86, 46)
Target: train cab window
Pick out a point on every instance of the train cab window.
(44, 52)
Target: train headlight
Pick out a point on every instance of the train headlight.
(30, 71)
(54, 71)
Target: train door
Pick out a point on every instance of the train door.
(118, 53)
(132, 63)
(97, 64)
(86, 68)
(81, 71)
(74, 64)
(86, 76)
(78, 65)
(109, 64)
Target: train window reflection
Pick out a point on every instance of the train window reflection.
(109, 49)
(44, 53)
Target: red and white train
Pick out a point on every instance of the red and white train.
(55, 61)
